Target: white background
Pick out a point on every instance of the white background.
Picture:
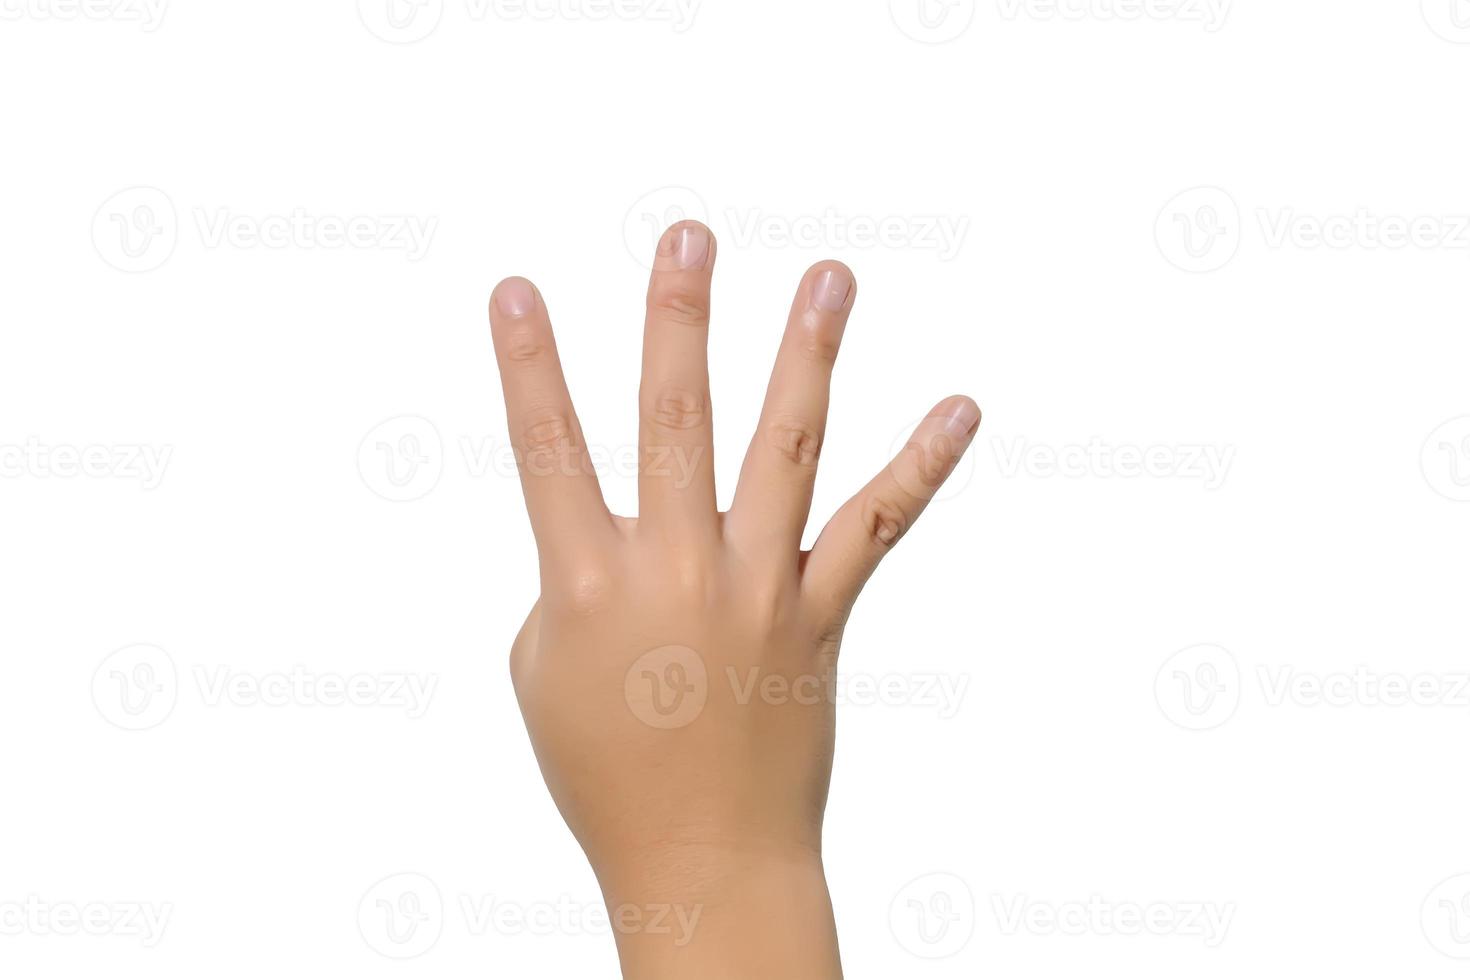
(1098, 304)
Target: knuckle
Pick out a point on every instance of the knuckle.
(818, 347)
(586, 591)
(795, 440)
(684, 581)
(678, 408)
(547, 431)
(524, 344)
(679, 305)
(884, 521)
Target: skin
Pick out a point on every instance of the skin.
(675, 674)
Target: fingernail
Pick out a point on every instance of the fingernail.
(686, 247)
(960, 418)
(515, 297)
(830, 289)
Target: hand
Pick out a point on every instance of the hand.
(675, 675)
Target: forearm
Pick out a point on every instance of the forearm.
(756, 920)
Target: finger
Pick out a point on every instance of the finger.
(866, 527)
(774, 495)
(676, 471)
(562, 494)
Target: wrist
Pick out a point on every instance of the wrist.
(731, 914)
